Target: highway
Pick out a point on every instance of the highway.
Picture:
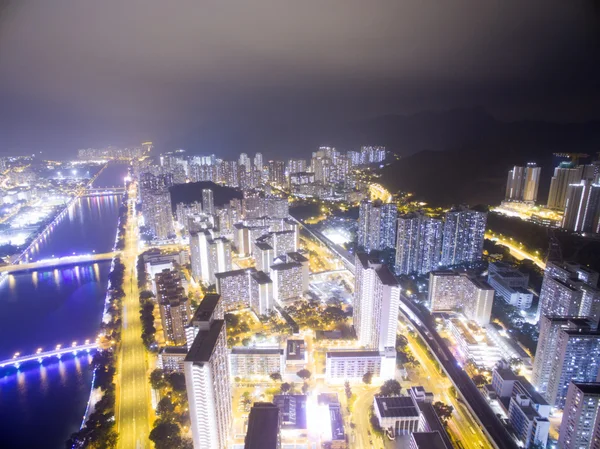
(462, 426)
(133, 389)
(479, 408)
(58, 261)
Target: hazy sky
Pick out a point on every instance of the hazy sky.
(220, 76)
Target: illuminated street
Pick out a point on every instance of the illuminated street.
(133, 390)
(461, 425)
(516, 249)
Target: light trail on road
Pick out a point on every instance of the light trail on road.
(133, 397)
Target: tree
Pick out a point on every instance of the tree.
(276, 377)
(246, 398)
(479, 380)
(232, 319)
(177, 381)
(165, 435)
(390, 387)
(304, 374)
(368, 378)
(146, 294)
(187, 443)
(157, 379)
(285, 388)
(165, 407)
(444, 411)
(348, 389)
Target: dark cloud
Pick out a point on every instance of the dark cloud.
(219, 75)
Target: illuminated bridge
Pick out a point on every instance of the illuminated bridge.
(58, 353)
(58, 261)
(101, 191)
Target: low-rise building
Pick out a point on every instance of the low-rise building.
(427, 440)
(170, 358)
(397, 414)
(473, 344)
(293, 410)
(510, 284)
(353, 365)
(451, 290)
(527, 410)
(264, 424)
(249, 362)
(529, 426)
(295, 352)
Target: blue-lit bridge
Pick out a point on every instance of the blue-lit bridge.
(58, 261)
(58, 352)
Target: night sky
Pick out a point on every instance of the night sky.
(233, 76)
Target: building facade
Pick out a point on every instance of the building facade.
(450, 290)
(208, 383)
(580, 416)
(418, 244)
(464, 233)
(376, 304)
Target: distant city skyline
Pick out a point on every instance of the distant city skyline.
(240, 78)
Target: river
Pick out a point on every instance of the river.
(40, 406)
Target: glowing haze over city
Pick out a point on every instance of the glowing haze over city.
(312, 225)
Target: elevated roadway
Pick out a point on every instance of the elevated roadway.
(424, 324)
(469, 393)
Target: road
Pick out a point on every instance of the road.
(461, 423)
(516, 250)
(425, 325)
(133, 389)
(360, 417)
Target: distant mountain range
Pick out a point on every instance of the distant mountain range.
(463, 156)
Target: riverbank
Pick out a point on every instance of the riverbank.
(48, 228)
(95, 393)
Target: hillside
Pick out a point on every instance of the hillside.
(192, 191)
(475, 172)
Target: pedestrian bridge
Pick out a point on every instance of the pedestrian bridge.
(58, 261)
(18, 359)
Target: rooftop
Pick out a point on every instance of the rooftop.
(434, 424)
(285, 266)
(226, 274)
(295, 349)
(588, 387)
(179, 350)
(255, 350)
(207, 307)
(297, 257)
(293, 410)
(263, 246)
(429, 440)
(261, 277)
(263, 427)
(204, 343)
(396, 407)
(342, 354)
